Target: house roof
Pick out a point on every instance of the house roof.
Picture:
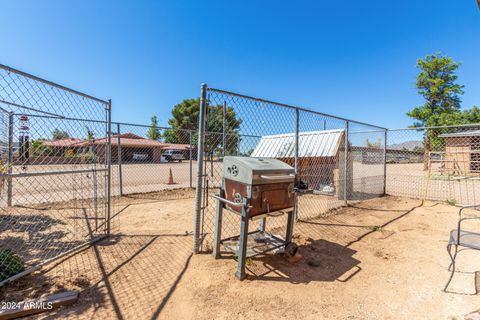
(67, 142)
(323, 143)
(474, 133)
(126, 139)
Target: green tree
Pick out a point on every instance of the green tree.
(437, 84)
(154, 132)
(59, 134)
(185, 117)
(90, 134)
(468, 116)
(170, 137)
(38, 148)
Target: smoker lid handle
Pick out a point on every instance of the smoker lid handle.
(277, 177)
(235, 204)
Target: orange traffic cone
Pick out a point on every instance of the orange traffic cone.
(170, 177)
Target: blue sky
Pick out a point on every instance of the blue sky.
(354, 59)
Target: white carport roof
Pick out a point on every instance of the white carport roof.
(323, 143)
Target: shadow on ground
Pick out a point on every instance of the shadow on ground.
(322, 261)
(134, 276)
(122, 277)
(326, 243)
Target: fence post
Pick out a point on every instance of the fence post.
(224, 128)
(345, 168)
(292, 217)
(10, 160)
(297, 122)
(190, 158)
(119, 160)
(385, 163)
(200, 149)
(109, 162)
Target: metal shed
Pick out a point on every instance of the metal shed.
(311, 144)
(319, 158)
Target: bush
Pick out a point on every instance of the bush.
(10, 264)
(88, 156)
(69, 153)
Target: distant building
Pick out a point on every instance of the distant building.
(462, 152)
(133, 148)
(59, 147)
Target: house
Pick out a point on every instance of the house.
(61, 146)
(462, 152)
(133, 148)
(320, 156)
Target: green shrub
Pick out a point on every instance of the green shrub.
(451, 202)
(69, 153)
(87, 156)
(10, 264)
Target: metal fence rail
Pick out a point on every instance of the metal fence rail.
(54, 186)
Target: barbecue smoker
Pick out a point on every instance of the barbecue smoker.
(255, 189)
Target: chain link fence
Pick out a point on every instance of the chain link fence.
(437, 163)
(67, 171)
(339, 159)
(54, 180)
(147, 160)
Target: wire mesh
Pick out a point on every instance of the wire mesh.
(238, 125)
(438, 163)
(234, 126)
(367, 162)
(53, 174)
(146, 160)
(58, 147)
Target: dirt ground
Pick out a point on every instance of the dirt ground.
(383, 258)
(406, 180)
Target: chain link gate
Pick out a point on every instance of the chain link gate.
(55, 171)
(325, 151)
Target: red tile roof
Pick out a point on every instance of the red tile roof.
(67, 142)
(126, 139)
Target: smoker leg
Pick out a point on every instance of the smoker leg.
(242, 250)
(289, 235)
(291, 219)
(217, 238)
(263, 224)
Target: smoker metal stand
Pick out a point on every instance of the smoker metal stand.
(275, 242)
